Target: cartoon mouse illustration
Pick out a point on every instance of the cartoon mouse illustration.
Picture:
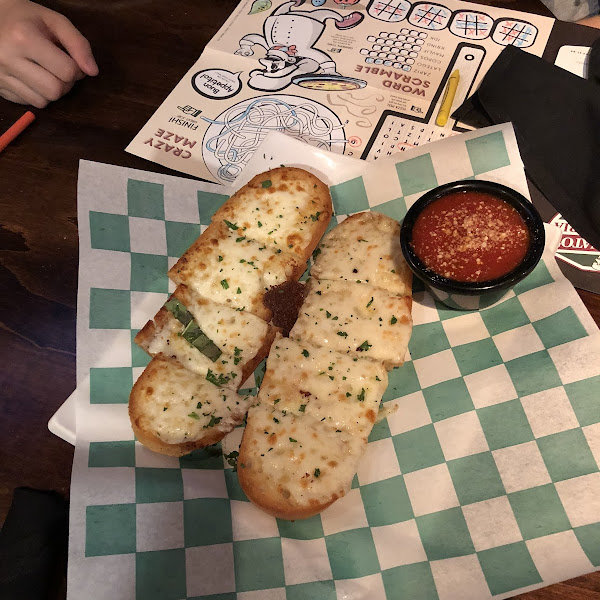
(289, 38)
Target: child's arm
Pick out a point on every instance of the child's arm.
(41, 53)
(591, 21)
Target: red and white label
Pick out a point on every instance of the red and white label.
(573, 249)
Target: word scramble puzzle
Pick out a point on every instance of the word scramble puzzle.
(397, 134)
(396, 50)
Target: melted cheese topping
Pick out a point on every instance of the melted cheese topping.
(324, 385)
(357, 319)
(232, 270)
(365, 248)
(299, 458)
(279, 212)
(180, 406)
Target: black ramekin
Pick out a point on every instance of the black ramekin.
(474, 295)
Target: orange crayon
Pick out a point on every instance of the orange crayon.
(14, 130)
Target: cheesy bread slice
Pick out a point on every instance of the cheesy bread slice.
(212, 340)
(294, 466)
(356, 319)
(213, 331)
(287, 208)
(365, 248)
(174, 411)
(225, 266)
(323, 384)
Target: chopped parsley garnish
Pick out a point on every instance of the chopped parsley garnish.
(317, 472)
(165, 408)
(199, 405)
(293, 440)
(230, 225)
(217, 380)
(370, 302)
(276, 400)
(342, 333)
(315, 217)
(238, 291)
(361, 396)
(224, 284)
(328, 314)
(393, 320)
(213, 421)
(194, 415)
(232, 459)
(305, 353)
(276, 419)
(237, 352)
(364, 346)
(259, 224)
(220, 258)
(240, 239)
(348, 394)
(267, 183)
(302, 408)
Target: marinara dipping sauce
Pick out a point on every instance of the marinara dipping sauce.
(470, 236)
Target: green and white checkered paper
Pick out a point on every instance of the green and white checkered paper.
(485, 482)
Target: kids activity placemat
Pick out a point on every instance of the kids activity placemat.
(484, 483)
(367, 80)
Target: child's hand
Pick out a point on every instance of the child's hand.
(41, 53)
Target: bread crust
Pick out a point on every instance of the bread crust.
(268, 498)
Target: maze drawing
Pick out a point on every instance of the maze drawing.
(232, 138)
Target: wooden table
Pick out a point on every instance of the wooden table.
(143, 47)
